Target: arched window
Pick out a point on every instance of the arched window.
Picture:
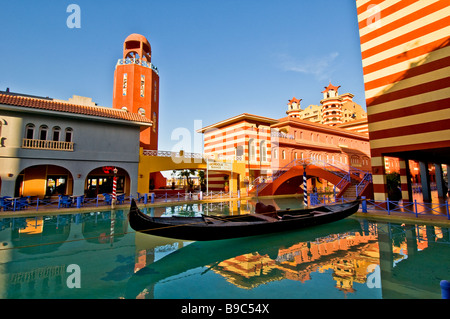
(29, 131)
(68, 134)
(283, 154)
(275, 153)
(43, 132)
(252, 149)
(56, 132)
(141, 111)
(263, 151)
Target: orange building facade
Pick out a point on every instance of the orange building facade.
(267, 145)
(136, 86)
(405, 48)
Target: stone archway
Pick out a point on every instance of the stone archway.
(44, 180)
(100, 180)
(288, 182)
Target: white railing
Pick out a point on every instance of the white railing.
(191, 155)
(138, 62)
(172, 154)
(47, 145)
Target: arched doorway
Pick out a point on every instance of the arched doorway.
(100, 180)
(44, 181)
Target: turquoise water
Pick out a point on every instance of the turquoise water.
(97, 255)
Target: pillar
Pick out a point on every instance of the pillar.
(439, 180)
(78, 185)
(379, 179)
(448, 179)
(425, 181)
(8, 186)
(405, 180)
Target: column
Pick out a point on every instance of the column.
(8, 185)
(405, 180)
(439, 180)
(425, 181)
(379, 179)
(78, 185)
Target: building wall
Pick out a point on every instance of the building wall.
(301, 140)
(283, 142)
(96, 144)
(236, 139)
(405, 49)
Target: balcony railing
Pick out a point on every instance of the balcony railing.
(47, 145)
(138, 62)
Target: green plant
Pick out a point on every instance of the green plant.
(393, 186)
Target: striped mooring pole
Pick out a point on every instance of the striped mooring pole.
(114, 190)
(305, 193)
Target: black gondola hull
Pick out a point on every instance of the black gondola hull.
(200, 228)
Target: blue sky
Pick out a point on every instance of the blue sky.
(216, 59)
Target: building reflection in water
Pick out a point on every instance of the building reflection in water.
(395, 261)
(371, 257)
(347, 255)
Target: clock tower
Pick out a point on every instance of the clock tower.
(136, 86)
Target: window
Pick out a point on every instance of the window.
(275, 153)
(29, 131)
(263, 151)
(56, 133)
(141, 111)
(154, 91)
(283, 154)
(124, 89)
(43, 132)
(252, 149)
(69, 135)
(124, 108)
(142, 85)
(239, 150)
(154, 121)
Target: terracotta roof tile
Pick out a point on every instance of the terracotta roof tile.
(50, 105)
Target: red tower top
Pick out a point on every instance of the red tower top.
(137, 45)
(294, 107)
(136, 86)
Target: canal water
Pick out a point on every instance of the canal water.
(97, 255)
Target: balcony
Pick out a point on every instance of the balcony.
(138, 62)
(47, 145)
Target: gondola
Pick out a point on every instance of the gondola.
(265, 220)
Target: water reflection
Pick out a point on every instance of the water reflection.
(248, 264)
(352, 258)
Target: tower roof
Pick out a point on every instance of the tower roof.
(331, 87)
(137, 44)
(294, 100)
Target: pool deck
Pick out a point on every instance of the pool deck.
(372, 214)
